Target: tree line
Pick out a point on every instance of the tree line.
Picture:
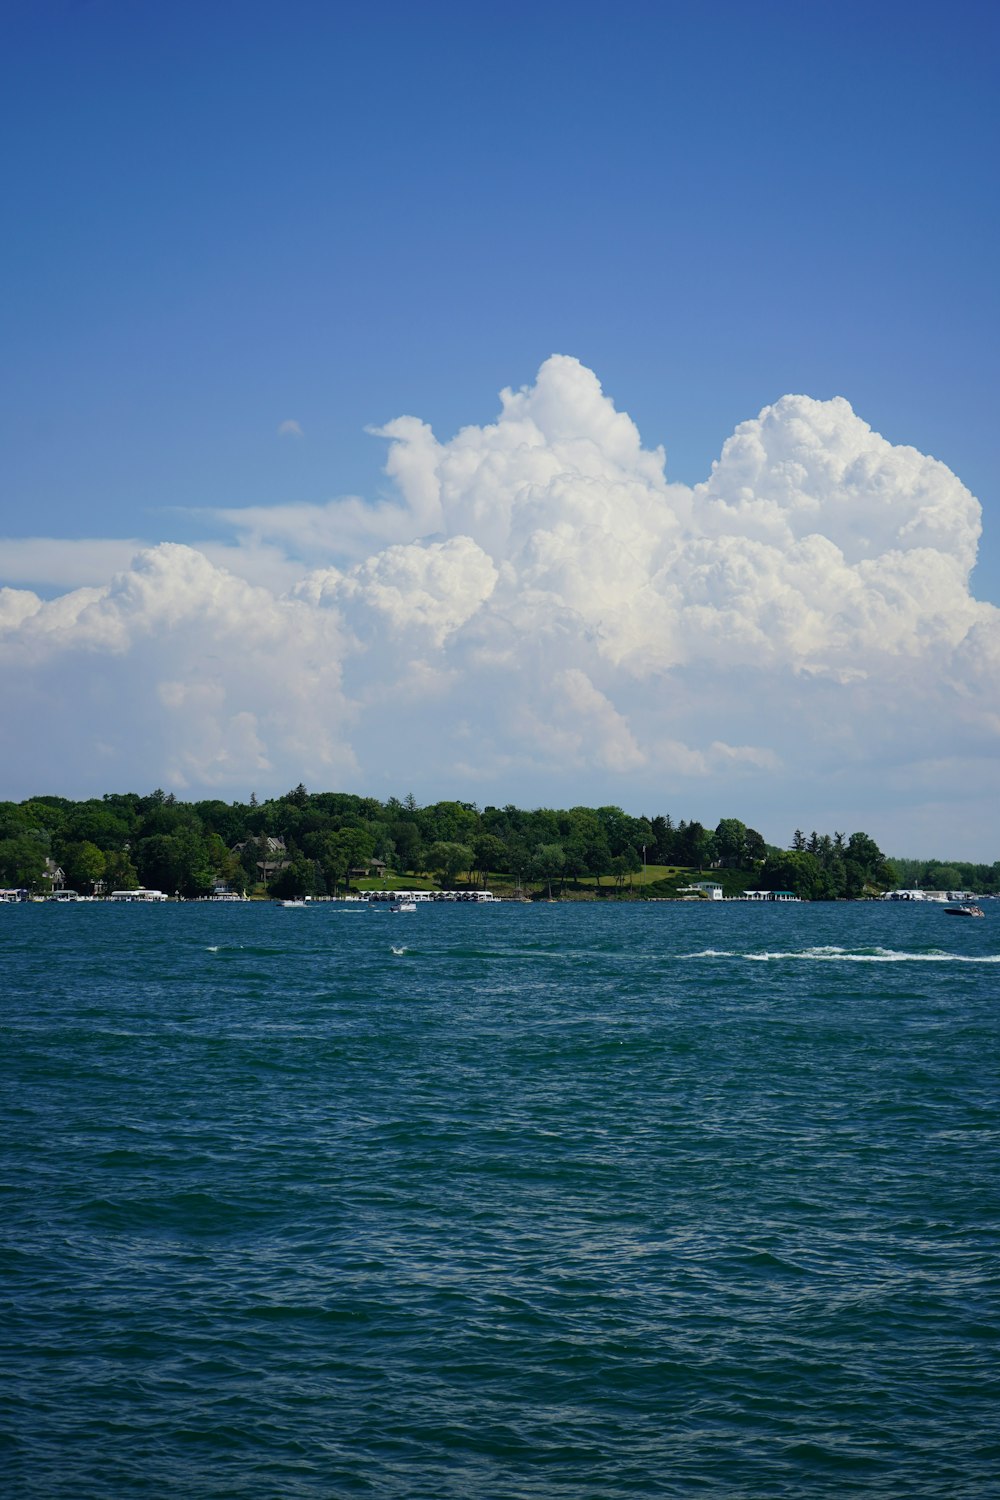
(316, 843)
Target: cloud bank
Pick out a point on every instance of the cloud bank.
(538, 614)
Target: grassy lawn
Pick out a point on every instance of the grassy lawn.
(396, 883)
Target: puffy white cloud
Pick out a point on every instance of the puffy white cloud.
(805, 467)
(429, 589)
(16, 606)
(175, 670)
(540, 609)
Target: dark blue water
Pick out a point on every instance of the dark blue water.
(515, 1202)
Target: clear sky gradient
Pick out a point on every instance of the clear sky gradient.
(223, 218)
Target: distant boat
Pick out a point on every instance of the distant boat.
(403, 906)
(295, 903)
(964, 911)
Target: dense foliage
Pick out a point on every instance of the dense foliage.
(318, 842)
(824, 868)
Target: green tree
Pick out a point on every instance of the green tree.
(449, 823)
(866, 854)
(517, 858)
(298, 878)
(22, 861)
(161, 813)
(575, 851)
(83, 865)
(327, 852)
(338, 853)
(225, 864)
(409, 852)
(176, 862)
(120, 874)
(14, 823)
(944, 878)
(446, 857)
(664, 833)
(358, 848)
(586, 844)
(731, 843)
(385, 849)
(755, 849)
(92, 823)
(38, 813)
(697, 845)
(598, 858)
(219, 818)
(792, 870)
(617, 827)
(490, 854)
(548, 864)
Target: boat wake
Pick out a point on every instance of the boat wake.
(832, 954)
(398, 951)
(251, 948)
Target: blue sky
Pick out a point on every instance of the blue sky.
(221, 218)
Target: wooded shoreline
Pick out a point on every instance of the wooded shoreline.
(325, 843)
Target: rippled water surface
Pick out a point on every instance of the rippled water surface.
(560, 1201)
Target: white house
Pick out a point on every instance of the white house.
(709, 889)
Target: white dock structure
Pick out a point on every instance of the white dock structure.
(767, 896)
(480, 898)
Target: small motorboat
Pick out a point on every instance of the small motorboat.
(403, 906)
(964, 911)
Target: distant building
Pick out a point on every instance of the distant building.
(272, 848)
(709, 889)
(768, 896)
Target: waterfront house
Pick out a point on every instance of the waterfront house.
(768, 896)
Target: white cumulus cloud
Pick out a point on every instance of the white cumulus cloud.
(538, 604)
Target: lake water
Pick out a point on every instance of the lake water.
(514, 1202)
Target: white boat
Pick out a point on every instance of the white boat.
(404, 906)
(303, 903)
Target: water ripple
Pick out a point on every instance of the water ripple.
(559, 1203)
